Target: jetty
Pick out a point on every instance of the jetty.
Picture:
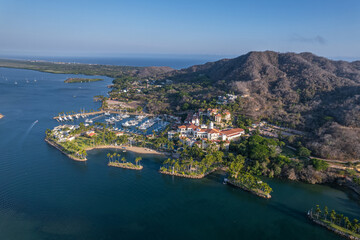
(100, 112)
(346, 233)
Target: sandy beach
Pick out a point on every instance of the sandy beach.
(140, 150)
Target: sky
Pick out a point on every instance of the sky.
(226, 28)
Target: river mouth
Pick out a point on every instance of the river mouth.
(45, 195)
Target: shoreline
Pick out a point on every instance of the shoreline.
(188, 176)
(58, 147)
(134, 149)
(139, 150)
(259, 194)
(330, 228)
(123, 165)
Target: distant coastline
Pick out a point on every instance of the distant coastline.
(83, 80)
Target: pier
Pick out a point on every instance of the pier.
(101, 112)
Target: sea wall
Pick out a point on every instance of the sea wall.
(343, 234)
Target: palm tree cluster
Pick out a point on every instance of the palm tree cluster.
(239, 176)
(115, 157)
(337, 219)
(189, 166)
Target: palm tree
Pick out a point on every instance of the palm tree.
(123, 159)
(318, 211)
(326, 212)
(333, 216)
(138, 159)
(108, 156)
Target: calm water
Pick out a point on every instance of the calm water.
(45, 195)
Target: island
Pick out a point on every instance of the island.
(1, 116)
(338, 223)
(114, 162)
(82, 80)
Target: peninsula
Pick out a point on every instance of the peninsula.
(82, 80)
(205, 124)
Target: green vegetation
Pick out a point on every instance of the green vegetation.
(240, 177)
(81, 80)
(189, 167)
(336, 221)
(356, 180)
(114, 161)
(319, 165)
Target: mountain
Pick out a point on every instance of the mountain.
(302, 91)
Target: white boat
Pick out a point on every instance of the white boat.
(65, 118)
(140, 117)
(70, 117)
(107, 113)
(60, 119)
(77, 116)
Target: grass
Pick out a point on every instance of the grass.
(288, 152)
(342, 229)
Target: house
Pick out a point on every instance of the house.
(231, 134)
(218, 118)
(227, 115)
(212, 111)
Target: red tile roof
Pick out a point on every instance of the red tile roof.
(232, 132)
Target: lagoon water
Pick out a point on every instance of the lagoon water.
(45, 195)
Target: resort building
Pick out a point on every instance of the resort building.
(190, 134)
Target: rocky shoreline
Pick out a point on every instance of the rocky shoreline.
(343, 234)
(58, 147)
(188, 176)
(310, 175)
(263, 195)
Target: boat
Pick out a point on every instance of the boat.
(140, 117)
(65, 118)
(70, 117)
(107, 113)
(60, 119)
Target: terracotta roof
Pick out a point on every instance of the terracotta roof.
(192, 126)
(218, 115)
(182, 126)
(232, 132)
(212, 130)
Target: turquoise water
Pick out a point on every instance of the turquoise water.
(45, 195)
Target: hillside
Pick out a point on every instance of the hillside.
(302, 91)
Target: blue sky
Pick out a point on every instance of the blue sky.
(225, 28)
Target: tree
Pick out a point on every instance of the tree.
(326, 212)
(304, 152)
(137, 160)
(333, 216)
(123, 159)
(318, 211)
